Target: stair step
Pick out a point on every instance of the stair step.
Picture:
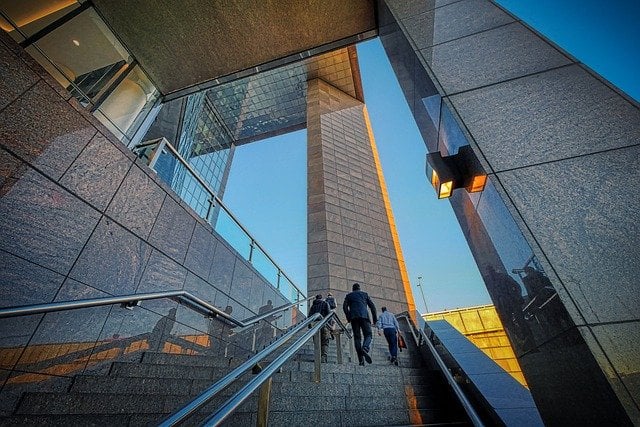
(132, 385)
(342, 403)
(148, 370)
(66, 420)
(376, 417)
(109, 403)
(236, 419)
(77, 403)
(190, 360)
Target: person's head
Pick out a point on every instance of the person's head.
(355, 287)
(384, 309)
(329, 295)
(319, 296)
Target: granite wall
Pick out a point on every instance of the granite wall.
(351, 234)
(561, 147)
(81, 217)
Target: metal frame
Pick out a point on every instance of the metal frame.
(133, 300)
(462, 398)
(163, 143)
(261, 378)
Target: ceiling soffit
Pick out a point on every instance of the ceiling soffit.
(183, 45)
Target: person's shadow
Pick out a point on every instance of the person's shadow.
(162, 331)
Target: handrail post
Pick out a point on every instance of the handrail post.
(155, 155)
(210, 209)
(317, 357)
(278, 279)
(264, 396)
(338, 336)
(251, 248)
(352, 349)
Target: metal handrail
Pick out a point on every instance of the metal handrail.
(208, 394)
(217, 200)
(133, 300)
(243, 394)
(342, 326)
(224, 382)
(466, 404)
(255, 319)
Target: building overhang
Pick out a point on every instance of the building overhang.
(189, 46)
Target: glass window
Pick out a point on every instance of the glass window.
(82, 54)
(24, 18)
(85, 57)
(128, 104)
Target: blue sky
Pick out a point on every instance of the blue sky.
(267, 185)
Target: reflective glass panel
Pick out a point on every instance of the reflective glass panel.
(24, 18)
(232, 233)
(263, 264)
(524, 295)
(85, 52)
(128, 104)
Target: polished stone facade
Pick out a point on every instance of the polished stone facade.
(81, 217)
(351, 233)
(554, 230)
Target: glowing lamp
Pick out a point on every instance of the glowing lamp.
(461, 170)
(442, 178)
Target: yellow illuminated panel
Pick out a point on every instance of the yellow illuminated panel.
(478, 183)
(482, 326)
(446, 188)
(434, 179)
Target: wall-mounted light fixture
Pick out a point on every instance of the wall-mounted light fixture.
(462, 170)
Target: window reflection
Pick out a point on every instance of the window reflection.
(85, 57)
(126, 107)
(26, 17)
(85, 52)
(524, 295)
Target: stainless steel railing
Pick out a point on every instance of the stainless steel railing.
(130, 301)
(462, 398)
(151, 151)
(243, 394)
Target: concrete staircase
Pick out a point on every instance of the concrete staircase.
(146, 391)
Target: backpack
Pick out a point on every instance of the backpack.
(318, 308)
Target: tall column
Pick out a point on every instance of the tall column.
(351, 233)
(555, 230)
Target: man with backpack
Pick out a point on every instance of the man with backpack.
(321, 306)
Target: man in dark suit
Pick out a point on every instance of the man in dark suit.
(355, 308)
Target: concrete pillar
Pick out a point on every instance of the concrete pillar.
(351, 232)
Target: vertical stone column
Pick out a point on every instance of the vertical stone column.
(561, 148)
(351, 233)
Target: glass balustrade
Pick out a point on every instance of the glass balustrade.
(172, 168)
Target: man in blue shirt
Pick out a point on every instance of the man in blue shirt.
(355, 309)
(388, 323)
